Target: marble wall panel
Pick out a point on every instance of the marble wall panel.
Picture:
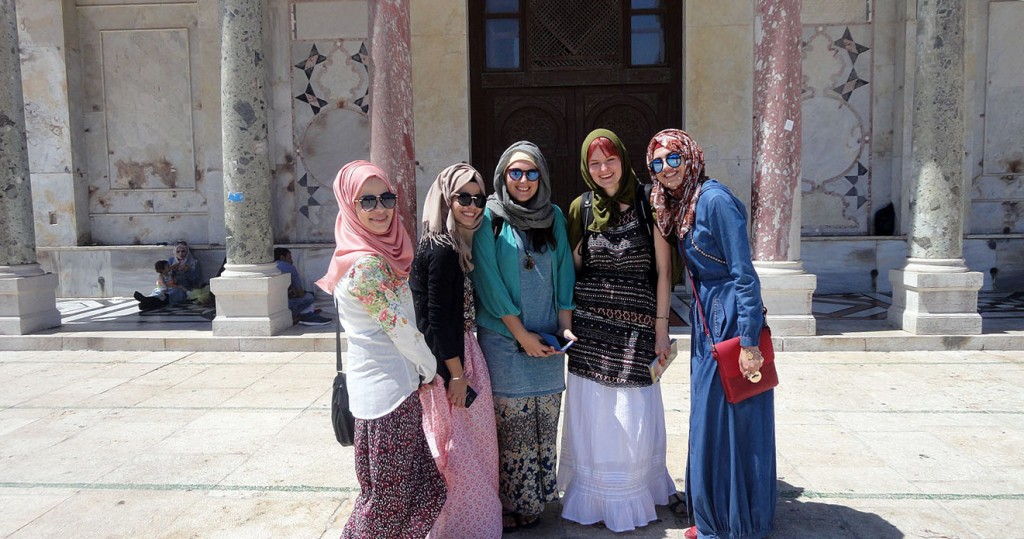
(440, 81)
(83, 273)
(842, 265)
(889, 254)
(331, 20)
(982, 256)
(836, 11)
(148, 109)
(330, 85)
(53, 204)
(143, 228)
(142, 96)
(997, 216)
(837, 109)
(1004, 115)
(718, 105)
(1009, 263)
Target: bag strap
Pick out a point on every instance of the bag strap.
(696, 299)
(337, 335)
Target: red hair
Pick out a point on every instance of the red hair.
(605, 144)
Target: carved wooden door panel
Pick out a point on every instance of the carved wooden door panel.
(550, 71)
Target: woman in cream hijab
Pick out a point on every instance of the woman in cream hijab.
(458, 411)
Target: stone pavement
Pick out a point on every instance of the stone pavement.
(238, 445)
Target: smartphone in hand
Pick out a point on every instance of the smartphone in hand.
(470, 393)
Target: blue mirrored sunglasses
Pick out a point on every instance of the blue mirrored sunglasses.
(673, 160)
(517, 174)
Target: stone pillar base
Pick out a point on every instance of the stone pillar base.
(251, 301)
(786, 290)
(28, 300)
(936, 297)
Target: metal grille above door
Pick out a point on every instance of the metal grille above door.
(575, 33)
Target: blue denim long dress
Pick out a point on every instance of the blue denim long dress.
(731, 476)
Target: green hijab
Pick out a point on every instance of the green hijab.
(605, 209)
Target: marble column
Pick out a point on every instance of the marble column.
(392, 145)
(775, 199)
(252, 296)
(934, 293)
(28, 300)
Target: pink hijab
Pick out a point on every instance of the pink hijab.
(352, 239)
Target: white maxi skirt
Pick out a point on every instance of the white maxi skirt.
(612, 463)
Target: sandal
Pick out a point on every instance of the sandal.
(677, 504)
(524, 523)
(509, 523)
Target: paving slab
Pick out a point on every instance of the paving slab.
(239, 444)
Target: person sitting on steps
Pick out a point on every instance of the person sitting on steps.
(300, 302)
(158, 297)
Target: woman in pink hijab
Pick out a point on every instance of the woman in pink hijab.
(401, 490)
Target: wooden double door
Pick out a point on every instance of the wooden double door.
(550, 71)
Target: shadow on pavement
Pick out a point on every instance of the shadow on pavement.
(814, 520)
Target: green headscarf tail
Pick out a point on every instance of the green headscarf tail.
(605, 209)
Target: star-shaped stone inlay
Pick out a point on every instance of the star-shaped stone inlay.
(849, 45)
(854, 179)
(311, 61)
(310, 97)
(851, 84)
(358, 57)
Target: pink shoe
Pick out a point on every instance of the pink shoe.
(691, 533)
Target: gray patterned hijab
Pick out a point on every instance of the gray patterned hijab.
(536, 212)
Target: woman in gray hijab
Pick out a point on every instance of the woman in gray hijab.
(524, 277)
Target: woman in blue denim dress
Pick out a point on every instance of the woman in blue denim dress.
(730, 475)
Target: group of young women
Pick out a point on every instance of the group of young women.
(456, 366)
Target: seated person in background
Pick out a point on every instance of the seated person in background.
(185, 272)
(300, 302)
(158, 297)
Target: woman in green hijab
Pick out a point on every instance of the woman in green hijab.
(612, 464)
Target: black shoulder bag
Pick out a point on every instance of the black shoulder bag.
(341, 416)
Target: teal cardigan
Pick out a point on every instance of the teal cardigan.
(496, 272)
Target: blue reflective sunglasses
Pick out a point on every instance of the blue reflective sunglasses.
(673, 160)
(517, 174)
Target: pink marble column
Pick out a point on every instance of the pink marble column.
(391, 127)
(777, 130)
(786, 288)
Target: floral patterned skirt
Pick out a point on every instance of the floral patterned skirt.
(527, 439)
(401, 491)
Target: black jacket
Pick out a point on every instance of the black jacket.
(438, 287)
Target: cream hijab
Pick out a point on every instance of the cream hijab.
(439, 223)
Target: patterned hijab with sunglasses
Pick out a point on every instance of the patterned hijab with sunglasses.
(534, 213)
(352, 239)
(439, 224)
(675, 208)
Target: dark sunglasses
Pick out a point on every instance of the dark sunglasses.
(369, 202)
(465, 199)
(517, 174)
(673, 160)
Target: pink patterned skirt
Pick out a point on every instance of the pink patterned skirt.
(465, 446)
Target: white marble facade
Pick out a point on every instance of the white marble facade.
(122, 106)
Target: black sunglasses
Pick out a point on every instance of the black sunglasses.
(369, 202)
(673, 160)
(465, 199)
(517, 174)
